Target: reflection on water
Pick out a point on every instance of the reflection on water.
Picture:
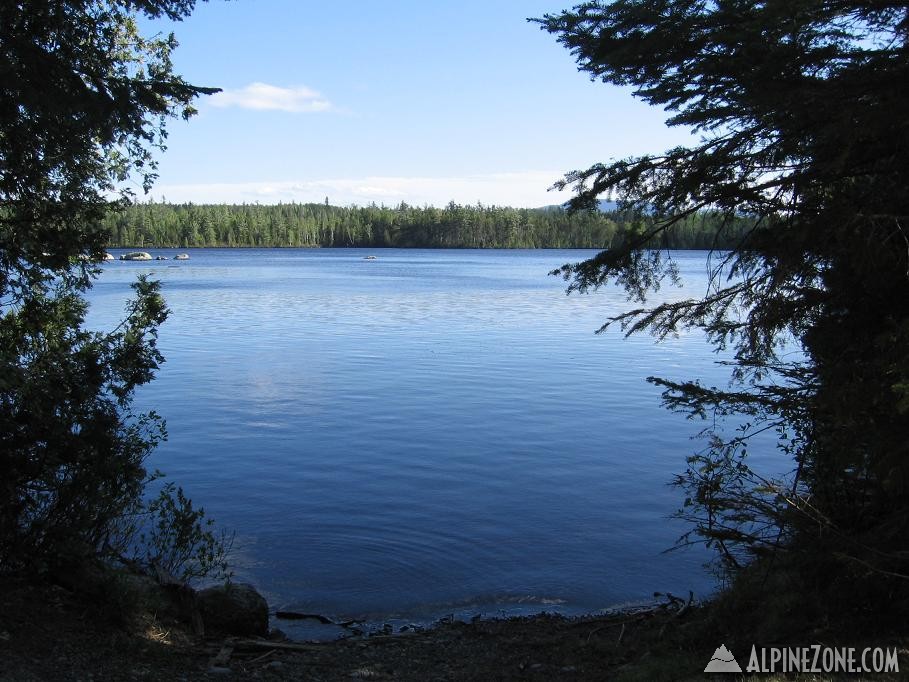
(429, 432)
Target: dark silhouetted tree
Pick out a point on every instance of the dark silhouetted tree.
(84, 97)
(797, 106)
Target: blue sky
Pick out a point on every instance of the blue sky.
(403, 100)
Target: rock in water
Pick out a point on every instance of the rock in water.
(233, 609)
(136, 255)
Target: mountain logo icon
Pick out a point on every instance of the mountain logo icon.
(723, 662)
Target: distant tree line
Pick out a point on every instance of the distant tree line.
(455, 226)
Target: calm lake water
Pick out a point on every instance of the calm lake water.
(426, 433)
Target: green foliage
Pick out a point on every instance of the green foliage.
(796, 104)
(455, 226)
(83, 103)
(72, 448)
(175, 537)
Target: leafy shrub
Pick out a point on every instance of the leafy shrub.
(180, 540)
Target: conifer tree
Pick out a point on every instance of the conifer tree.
(84, 98)
(797, 105)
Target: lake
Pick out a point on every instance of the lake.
(425, 433)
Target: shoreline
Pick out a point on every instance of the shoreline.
(48, 632)
(56, 633)
(311, 626)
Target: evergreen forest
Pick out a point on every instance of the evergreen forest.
(455, 226)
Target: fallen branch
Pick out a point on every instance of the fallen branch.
(257, 659)
(687, 605)
(283, 646)
(596, 630)
(293, 615)
(871, 568)
(222, 660)
(612, 619)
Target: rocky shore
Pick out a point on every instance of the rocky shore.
(50, 632)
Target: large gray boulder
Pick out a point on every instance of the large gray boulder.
(136, 255)
(233, 609)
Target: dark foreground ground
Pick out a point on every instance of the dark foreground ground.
(47, 633)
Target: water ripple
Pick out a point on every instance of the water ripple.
(436, 430)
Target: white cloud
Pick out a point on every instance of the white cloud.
(262, 97)
(521, 189)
